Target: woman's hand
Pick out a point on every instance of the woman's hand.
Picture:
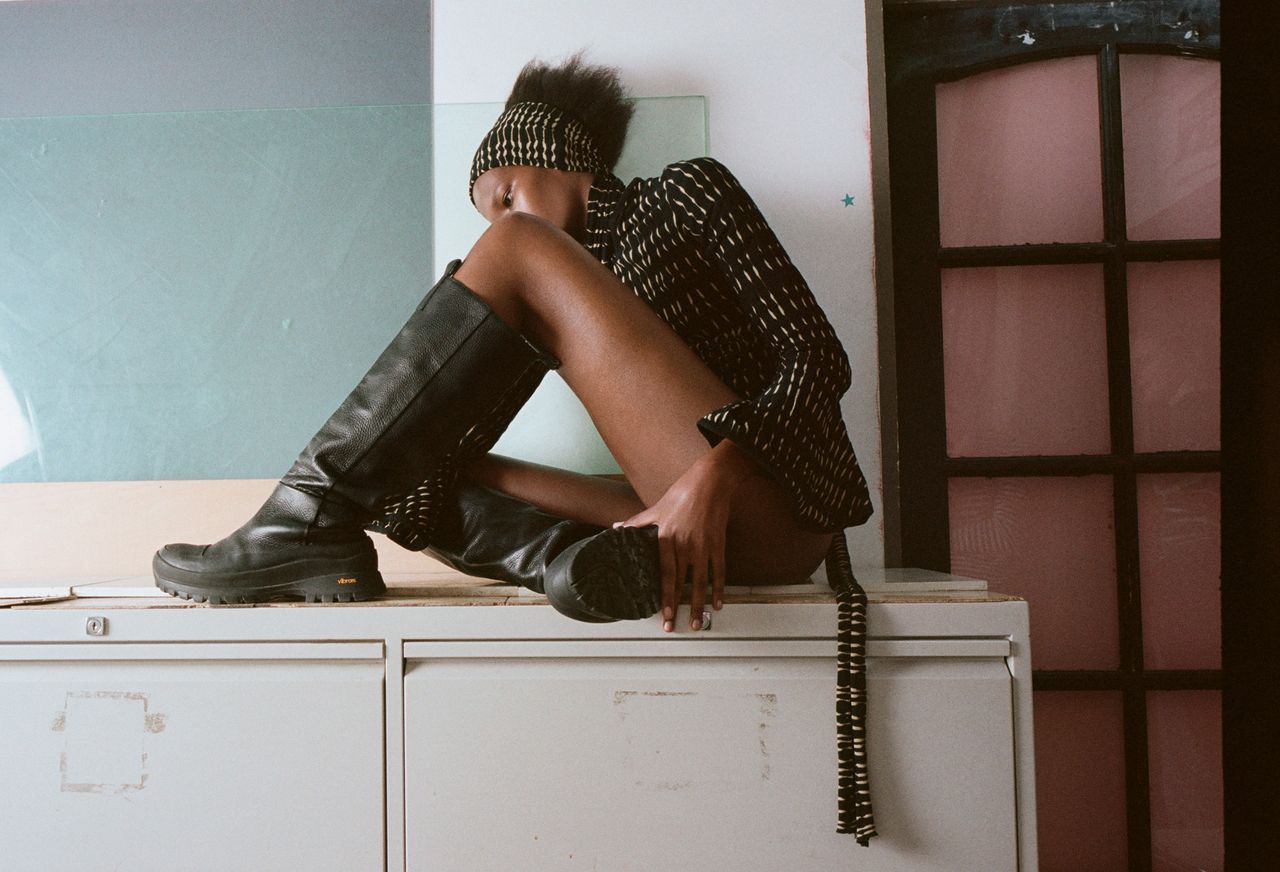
(692, 518)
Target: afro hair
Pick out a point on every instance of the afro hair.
(589, 92)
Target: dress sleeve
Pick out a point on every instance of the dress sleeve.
(793, 426)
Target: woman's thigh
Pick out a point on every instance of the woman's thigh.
(764, 544)
(643, 387)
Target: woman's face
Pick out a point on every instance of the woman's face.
(555, 195)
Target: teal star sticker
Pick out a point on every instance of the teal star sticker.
(848, 199)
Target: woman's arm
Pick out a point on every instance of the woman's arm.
(792, 426)
(731, 463)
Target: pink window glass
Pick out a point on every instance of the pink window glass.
(1051, 541)
(1174, 348)
(1024, 352)
(1184, 738)
(1180, 561)
(1011, 141)
(1170, 109)
(1080, 800)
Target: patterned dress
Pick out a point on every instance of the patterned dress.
(692, 244)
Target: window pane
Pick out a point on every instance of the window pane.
(1080, 803)
(1011, 141)
(1050, 540)
(1024, 352)
(1184, 735)
(193, 293)
(1174, 330)
(1180, 543)
(207, 227)
(1170, 108)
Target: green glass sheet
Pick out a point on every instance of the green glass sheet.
(189, 295)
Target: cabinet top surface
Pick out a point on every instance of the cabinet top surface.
(450, 588)
(489, 595)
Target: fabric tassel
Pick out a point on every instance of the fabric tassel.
(854, 786)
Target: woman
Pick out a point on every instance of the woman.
(676, 317)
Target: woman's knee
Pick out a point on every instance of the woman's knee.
(500, 266)
(519, 232)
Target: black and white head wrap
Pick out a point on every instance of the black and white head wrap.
(537, 135)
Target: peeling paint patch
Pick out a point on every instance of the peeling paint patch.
(768, 709)
(764, 754)
(620, 696)
(739, 726)
(104, 736)
(664, 785)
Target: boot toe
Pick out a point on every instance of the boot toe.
(180, 555)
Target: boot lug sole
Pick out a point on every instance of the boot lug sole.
(617, 574)
(355, 585)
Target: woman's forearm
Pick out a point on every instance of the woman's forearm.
(732, 464)
(562, 492)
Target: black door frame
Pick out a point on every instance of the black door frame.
(931, 42)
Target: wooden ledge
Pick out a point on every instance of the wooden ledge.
(444, 586)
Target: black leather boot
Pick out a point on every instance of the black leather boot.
(587, 571)
(453, 364)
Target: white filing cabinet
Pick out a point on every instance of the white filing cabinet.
(702, 755)
(472, 729)
(191, 756)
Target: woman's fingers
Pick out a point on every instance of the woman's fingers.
(702, 569)
(717, 576)
(682, 562)
(670, 593)
(698, 596)
(714, 578)
(683, 570)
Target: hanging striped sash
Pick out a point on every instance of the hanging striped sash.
(854, 787)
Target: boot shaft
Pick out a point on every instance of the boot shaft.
(453, 369)
(487, 533)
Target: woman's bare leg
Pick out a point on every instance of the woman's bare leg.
(642, 386)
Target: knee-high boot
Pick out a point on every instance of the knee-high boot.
(453, 364)
(587, 571)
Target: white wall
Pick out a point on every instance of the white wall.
(786, 87)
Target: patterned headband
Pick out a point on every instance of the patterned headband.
(538, 135)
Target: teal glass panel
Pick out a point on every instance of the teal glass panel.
(189, 295)
(553, 427)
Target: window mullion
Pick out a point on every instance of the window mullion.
(1124, 481)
